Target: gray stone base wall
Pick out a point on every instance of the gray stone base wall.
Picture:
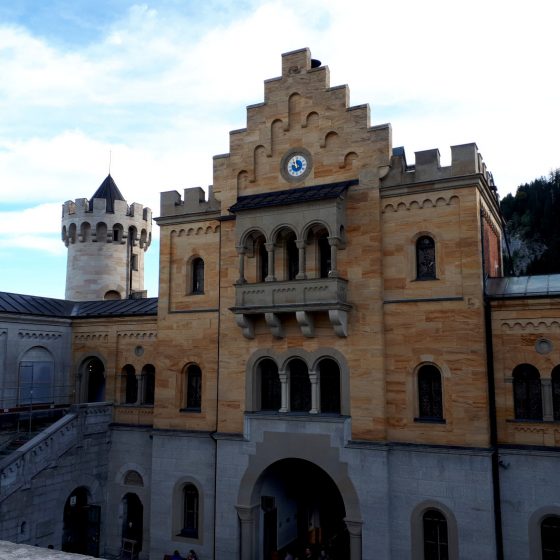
(131, 452)
(456, 482)
(530, 491)
(34, 514)
(181, 458)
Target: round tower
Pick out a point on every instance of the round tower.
(106, 240)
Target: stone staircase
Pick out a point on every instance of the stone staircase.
(25, 454)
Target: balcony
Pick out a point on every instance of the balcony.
(301, 297)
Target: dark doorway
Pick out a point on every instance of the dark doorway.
(133, 520)
(302, 508)
(81, 524)
(270, 526)
(95, 378)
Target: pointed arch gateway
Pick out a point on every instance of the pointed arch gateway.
(299, 498)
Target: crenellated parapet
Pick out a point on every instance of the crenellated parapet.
(193, 205)
(465, 161)
(106, 240)
(86, 220)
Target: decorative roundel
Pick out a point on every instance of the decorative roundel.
(296, 165)
(543, 346)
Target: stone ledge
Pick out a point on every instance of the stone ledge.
(15, 551)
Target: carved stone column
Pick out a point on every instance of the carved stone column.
(241, 251)
(315, 388)
(546, 392)
(284, 391)
(301, 260)
(247, 520)
(270, 254)
(355, 532)
(333, 242)
(139, 389)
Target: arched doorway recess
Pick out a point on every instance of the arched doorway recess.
(94, 378)
(133, 520)
(81, 524)
(300, 506)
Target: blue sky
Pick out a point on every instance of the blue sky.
(159, 85)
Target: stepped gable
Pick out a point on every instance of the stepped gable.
(109, 191)
(301, 113)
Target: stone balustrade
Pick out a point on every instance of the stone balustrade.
(302, 297)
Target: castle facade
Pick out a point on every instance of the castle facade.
(335, 359)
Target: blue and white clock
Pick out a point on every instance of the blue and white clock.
(296, 165)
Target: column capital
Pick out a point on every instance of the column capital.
(354, 527)
(245, 513)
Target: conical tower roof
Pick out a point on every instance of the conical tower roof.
(109, 191)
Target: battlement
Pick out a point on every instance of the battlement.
(84, 222)
(194, 202)
(80, 209)
(465, 160)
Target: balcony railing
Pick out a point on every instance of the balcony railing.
(302, 297)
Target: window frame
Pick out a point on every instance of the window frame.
(436, 400)
(530, 387)
(179, 531)
(197, 279)
(420, 258)
(417, 529)
(192, 402)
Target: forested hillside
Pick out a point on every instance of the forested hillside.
(532, 219)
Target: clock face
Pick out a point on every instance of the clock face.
(296, 166)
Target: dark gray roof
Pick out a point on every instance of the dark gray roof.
(291, 196)
(109, 191)
(546, 285)
(50, 307)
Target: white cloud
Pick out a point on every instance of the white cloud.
(161, 90)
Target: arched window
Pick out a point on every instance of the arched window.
(194, 388)
(555, 384)
(527, 397)
(36, 377)
(550, 538)
(269, 385)
(329, 374)
(117, 233)
(292, 257)
(112, 295)
(324, 256)
(197, 276)
(148, 384)
(300, 387)
(425, 258)
(436, 544)
(133, 478)
(262, 264)
(131, 385)
(94, 378)
(430, 402)
(190, 512)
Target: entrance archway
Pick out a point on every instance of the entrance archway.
(133, 520)
(300, 506)
(81, 523)
(94, 377)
